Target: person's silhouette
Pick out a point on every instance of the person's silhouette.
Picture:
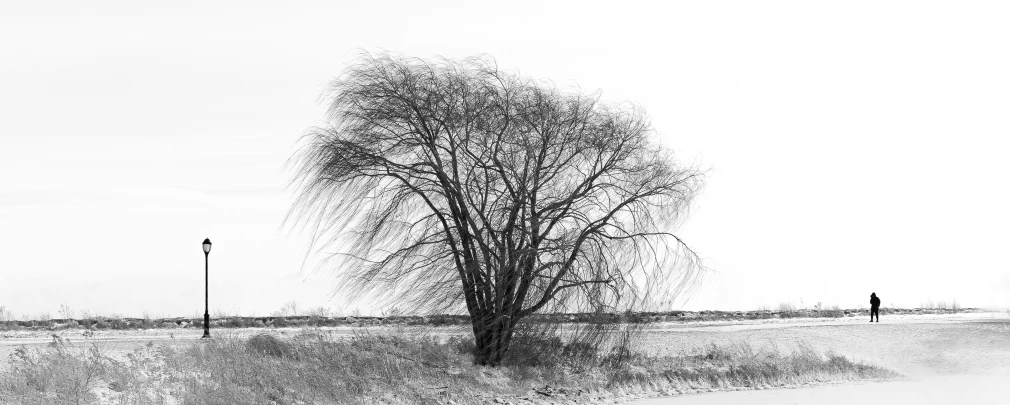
(874, 307)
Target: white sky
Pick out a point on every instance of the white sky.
(853, 146)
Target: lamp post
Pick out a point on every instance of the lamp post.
(206, 288)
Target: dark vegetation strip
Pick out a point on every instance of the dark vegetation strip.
(449, 320)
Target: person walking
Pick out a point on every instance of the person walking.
(874, 307)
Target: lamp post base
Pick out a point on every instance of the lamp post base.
(206, 326)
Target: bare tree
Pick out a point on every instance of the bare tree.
(445, 182)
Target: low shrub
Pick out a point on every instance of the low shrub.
(267, 344)
(315, 321)
(236, 322)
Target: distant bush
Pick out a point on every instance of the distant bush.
(317, 321)
(237, 322)
(289, 308)
(319, 312)
(446, 320)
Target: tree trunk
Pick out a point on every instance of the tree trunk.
(492, 337)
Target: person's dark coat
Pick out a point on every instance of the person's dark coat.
(874, 301)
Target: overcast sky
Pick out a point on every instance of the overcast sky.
(852, 147)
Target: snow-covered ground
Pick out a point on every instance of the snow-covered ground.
(962, 358)
(957, 358)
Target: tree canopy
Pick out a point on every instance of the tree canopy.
(453, 185)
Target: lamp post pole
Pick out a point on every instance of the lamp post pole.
(206, 288)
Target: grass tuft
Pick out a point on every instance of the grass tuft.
(269, 345)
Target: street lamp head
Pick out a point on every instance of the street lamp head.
(206, 245)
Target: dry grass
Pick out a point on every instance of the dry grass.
(58, 375)
(741, 366)
(63, 373)
(581, 363)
